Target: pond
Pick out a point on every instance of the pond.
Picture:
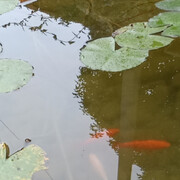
(67, 109)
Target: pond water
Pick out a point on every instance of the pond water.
(65, 102)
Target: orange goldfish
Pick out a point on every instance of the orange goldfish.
(104, 134)
(143, 144)
(109, 132)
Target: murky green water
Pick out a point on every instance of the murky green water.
(65, 102)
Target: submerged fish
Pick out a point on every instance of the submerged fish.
(104, 134)
(109, 132)
(143, 144)
(98, 166)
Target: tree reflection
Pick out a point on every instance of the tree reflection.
(102, 17)
(44, 21)
(140, 103)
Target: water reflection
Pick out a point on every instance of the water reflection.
(102, 17)
(37, 21)
(40, 110)
(143, 103)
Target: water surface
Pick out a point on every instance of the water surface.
(65, 102)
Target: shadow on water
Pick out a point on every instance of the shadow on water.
(144, 104)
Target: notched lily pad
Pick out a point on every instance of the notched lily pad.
(139, 27)
(164, 19)
(21, 165)
(140, 41)
(171, 19)
(170, 5)
(138, 36)
(14, 74)
(173, 31)
(7, 5)
(100, 54)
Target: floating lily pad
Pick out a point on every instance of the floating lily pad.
(139, 27)
(139, 41)
(171, 19)
(138, 36)
(170, 5)
(173, 31)
(164, 19)
(21, 165)
(101, 54)
(7, 5)
(14, 74)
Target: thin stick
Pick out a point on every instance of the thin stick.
(9, 130)
(48, 174)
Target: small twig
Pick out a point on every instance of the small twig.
(48, 175)
(10, 130)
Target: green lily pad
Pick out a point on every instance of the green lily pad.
(171, 19)
(139, 27)
(14, 74)
(138, 36)
(170, 5)
(21, 165)
(173, 31)
(100, 54)
(7, 5)
(164, 19)
(140, 41)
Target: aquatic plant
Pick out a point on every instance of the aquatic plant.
(170, 5)
(7, 5)
(101, 54)
(14, 74)
(137, 36)
(22, 164)
(170, 19)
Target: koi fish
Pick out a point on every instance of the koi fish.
(143, 144)
(104, 134)
(109, 132)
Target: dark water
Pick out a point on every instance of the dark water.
(65, 102)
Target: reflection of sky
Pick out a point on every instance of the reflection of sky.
(136, 172)
(44, 110)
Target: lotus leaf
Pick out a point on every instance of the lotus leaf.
(171, 19)
(170, 5)
(140, 41)
(164, 19)
(7, 5)
(173, 31)
(14, 74)
(140, 27)
(101, 54)
(21, 165)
